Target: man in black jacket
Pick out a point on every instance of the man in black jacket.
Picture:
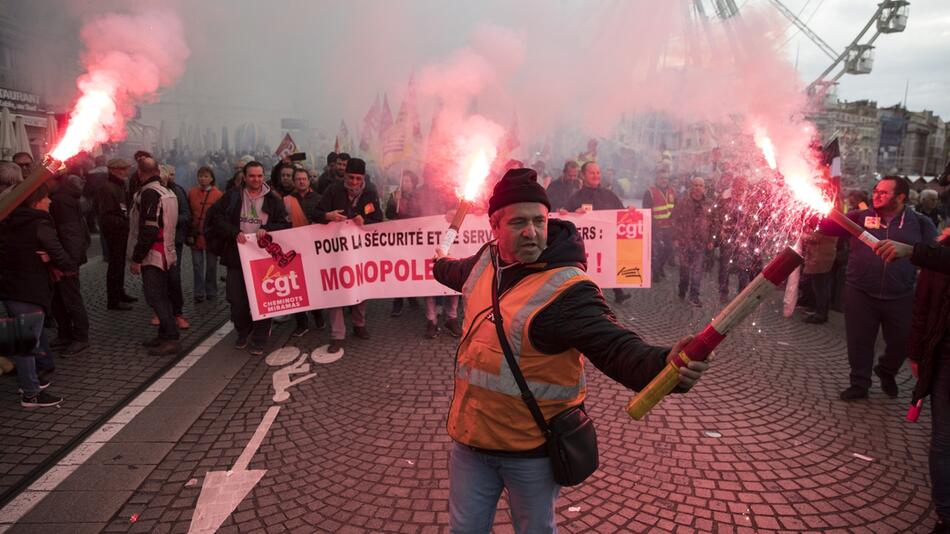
(351, 199)
(553, 316)
(252, 209)
(594, 197)
(68, 306)
(112, 203)
(929, 354)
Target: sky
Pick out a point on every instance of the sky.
(551, 63)
(917, 59)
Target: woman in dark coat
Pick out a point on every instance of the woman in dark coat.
(32, 257)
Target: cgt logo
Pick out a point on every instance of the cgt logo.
(275, 282)
(279, 288)
(630, 225)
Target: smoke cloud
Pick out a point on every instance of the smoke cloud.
(127, 59)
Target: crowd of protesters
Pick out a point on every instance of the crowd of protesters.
(146, 219)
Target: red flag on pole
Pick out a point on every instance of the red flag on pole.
(286, 147)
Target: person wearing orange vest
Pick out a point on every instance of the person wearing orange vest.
(661, 199)
(553, 315)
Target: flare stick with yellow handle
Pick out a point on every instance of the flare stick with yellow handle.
(703, 344)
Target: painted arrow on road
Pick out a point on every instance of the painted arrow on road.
(223, 491)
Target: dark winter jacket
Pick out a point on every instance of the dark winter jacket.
(24, 277)
(935, 257)
(579, 318)
(691, 223)
(931, 318)
(112, 203)
(599, 198)
(71, 228)
(184, 214)
(224, 223)
(325, 180)
(560, 192)
(336, 198)
(866, 271)
(308, 202)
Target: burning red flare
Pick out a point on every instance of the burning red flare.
(797, 176)
(124, 67)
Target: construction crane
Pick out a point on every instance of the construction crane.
(858, 56)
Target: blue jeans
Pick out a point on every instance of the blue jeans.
(205, 265)
(40, 359)
(476, 481)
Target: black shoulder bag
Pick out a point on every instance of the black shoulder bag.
(570, 437)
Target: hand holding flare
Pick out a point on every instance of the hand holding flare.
(477, 172)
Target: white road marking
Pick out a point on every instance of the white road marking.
(27, 499)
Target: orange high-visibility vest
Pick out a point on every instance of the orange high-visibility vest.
(487, 410)
(663, 202)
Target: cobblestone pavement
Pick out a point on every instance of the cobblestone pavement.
(760, 445)
(96, 381)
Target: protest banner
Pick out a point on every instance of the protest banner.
(340, 264)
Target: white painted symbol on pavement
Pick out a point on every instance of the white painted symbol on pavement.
(222, 491)
(281, 377)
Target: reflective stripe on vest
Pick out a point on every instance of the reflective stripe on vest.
(487, 410)
(504, 381)
(662, 204)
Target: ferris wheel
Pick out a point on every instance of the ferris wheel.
(856, 58)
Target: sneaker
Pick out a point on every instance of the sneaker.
(397, 309)
(127, 298)
(40, 400)
(155, 321)
(300, 331)
(454, 327)
(854, 393)
(694, 302)
(620, 298)
(74, 348)
(432, 330)
(256, 350)
(335, 346)
(182, 322)
(361, 332)
(199, 300)
(152, 343)
(888, 384)
(167, 348)
(241, 342)
(120, 306)
(815, 319)
(43, 382)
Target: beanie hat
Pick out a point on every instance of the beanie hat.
(517, 185)
(355, 166)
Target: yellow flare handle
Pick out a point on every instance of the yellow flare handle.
(661, 385)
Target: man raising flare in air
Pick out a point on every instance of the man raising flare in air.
(552, 315)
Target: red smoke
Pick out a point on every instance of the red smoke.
(127, 59)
